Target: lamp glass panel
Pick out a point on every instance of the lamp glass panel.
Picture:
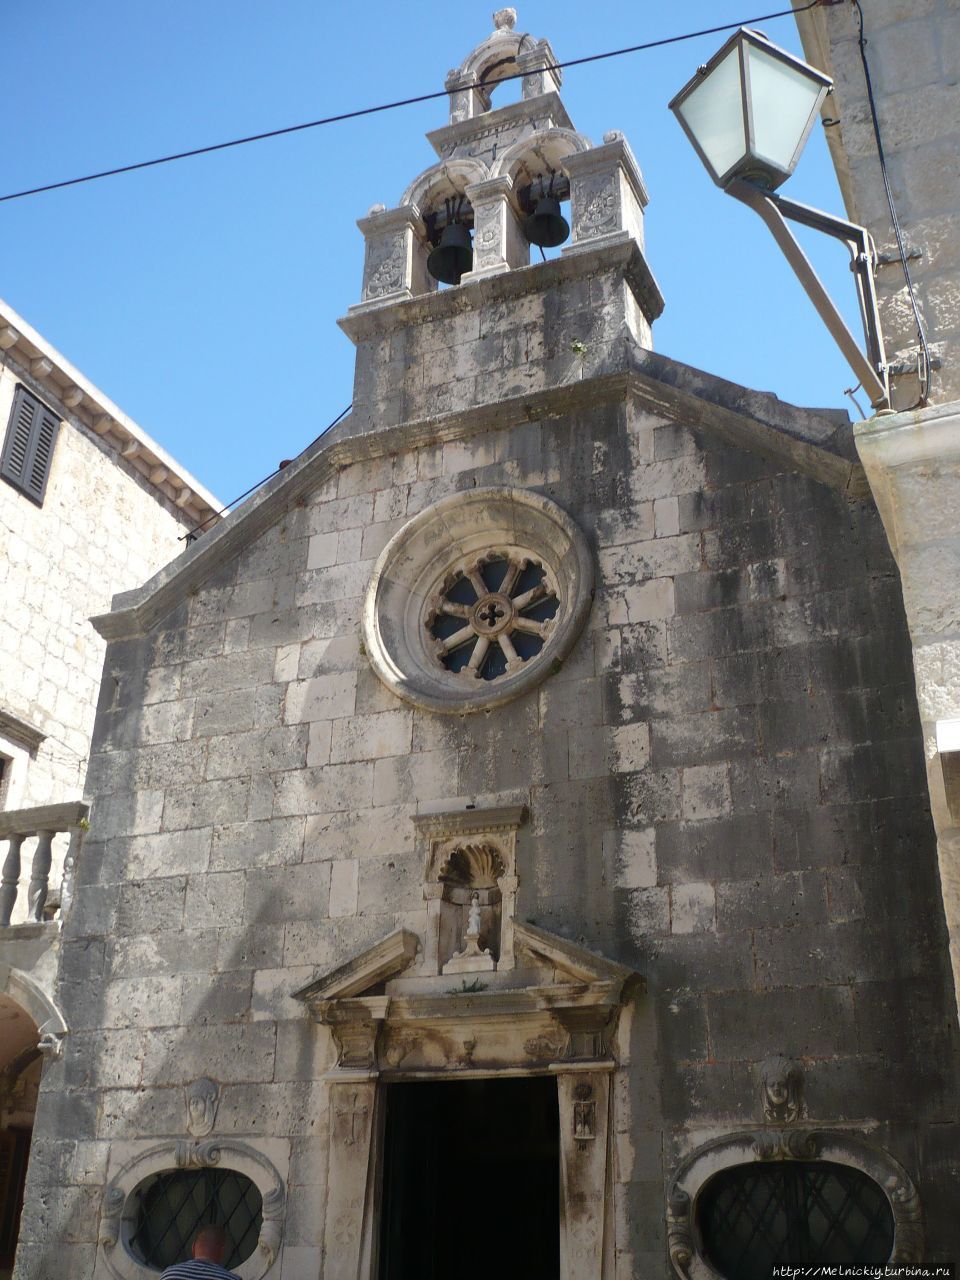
(782, 99)
(713, 113)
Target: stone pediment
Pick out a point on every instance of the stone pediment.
(366, 973)
(559, 1001)
(811, 441)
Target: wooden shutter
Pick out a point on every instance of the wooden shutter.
(28, 448)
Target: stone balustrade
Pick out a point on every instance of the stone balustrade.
(41, 824)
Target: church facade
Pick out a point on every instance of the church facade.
(509, 835)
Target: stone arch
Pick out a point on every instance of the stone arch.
(118, 1212)
(31, 997)
(770, 1145)
(495, 58)
(548, 149)
(448, 178)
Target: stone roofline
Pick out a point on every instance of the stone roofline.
(77, 400)
(816, 442)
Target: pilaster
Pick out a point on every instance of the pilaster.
(498, 242)
(395, 261)
(607, 195)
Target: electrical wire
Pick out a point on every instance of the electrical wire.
(400, 102)
(193, 533)
(925, 361)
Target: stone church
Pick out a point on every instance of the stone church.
(510, 849)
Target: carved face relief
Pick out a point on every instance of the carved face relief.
(781, 1086)
(203, 1098)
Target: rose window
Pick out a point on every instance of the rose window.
(491, 615)
(477, 599)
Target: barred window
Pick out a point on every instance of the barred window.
(173, 1205)
(753, 1217)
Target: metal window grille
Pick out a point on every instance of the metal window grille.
(174, 1205)
(754, 1217)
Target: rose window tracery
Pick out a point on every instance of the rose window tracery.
(477, 599)
(492, 614)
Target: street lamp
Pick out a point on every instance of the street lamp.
(749, 112)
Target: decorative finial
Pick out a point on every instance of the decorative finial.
(505, 19)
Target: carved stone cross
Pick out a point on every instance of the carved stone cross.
(354, 1116)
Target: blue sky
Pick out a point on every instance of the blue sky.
(203, 296)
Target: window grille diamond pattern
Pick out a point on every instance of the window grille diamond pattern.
(173, 1206)
(754, 1217)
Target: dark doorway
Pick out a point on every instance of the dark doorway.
(471, 1181)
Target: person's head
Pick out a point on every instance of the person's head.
(210, 1244)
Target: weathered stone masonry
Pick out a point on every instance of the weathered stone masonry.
(720, 789)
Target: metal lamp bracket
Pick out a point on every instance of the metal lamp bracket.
(871, 369)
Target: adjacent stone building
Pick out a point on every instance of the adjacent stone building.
(910, 53)
(509, 840)
(89, 505)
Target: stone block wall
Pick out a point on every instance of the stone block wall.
(528, 330)
(101, 529)
(726, 790)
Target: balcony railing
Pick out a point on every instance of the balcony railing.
(42, 824)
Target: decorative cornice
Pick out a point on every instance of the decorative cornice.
(624, 256)
(923, 435)
(472, 821)
(54, 379)
(657, 384)
(545, 106)
(386, 959)
(20, 731)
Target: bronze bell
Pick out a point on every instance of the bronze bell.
(452, 256)
(546, 226)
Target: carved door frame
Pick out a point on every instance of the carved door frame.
(563, 1026)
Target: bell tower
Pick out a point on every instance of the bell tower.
(510, 181)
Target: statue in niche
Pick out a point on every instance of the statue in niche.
(203, 1098)
(474, 958)
(470, 911)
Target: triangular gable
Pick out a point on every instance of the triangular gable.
(573, 962)
(746, 419)
(366, 972)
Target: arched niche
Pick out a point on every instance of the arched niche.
(470, 877)
(836, 1147)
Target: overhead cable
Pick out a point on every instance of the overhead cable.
(391, 106)
(192, 534)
